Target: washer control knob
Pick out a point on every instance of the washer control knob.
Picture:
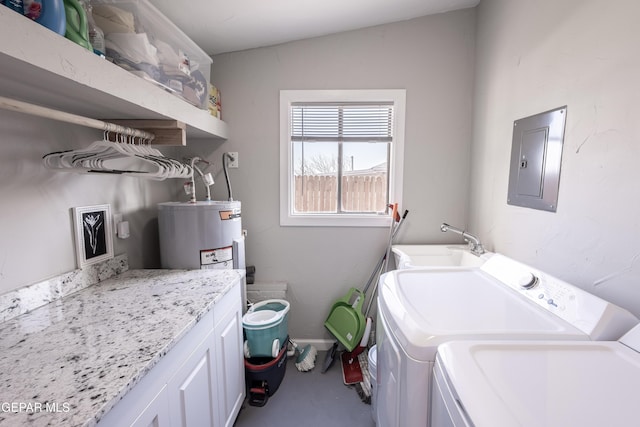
(528, 281)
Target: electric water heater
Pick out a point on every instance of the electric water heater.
(201, 235)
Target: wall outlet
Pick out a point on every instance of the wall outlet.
(233, 160)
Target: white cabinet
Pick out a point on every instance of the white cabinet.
(42, 67)
(229, 366)
(156, 414)
(199, 382)
(192, 389)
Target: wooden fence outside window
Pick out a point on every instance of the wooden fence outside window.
(360, 193)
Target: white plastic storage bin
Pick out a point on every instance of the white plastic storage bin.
(373, 378)
(266, 328)
(140, 39)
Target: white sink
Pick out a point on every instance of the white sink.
(410, 256)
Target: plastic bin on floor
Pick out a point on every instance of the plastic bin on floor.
(263, 376)
(266, 328)
(373, 377)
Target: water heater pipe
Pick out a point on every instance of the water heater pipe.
(193, 180)
(225, 158)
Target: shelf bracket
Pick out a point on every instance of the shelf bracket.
(167, 132)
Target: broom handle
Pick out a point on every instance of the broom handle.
(382, 260)
(391, 233)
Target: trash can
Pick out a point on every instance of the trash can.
(373, 378)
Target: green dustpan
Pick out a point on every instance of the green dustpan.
(346, 321)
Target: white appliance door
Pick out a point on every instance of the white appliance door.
(427, 309)
(446, 408)
(553, 383)
(388, 369)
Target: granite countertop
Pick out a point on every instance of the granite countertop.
(69, 362)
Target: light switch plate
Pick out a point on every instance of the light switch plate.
(536, 157)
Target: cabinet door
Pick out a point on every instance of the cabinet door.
(156, 414)
(191, 390)
(229, 366)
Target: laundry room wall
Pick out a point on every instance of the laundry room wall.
(432, 58)
(536, 56)
(36, 228)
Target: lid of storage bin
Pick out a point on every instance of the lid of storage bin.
(260, 318)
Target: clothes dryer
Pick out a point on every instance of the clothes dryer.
(533, 383)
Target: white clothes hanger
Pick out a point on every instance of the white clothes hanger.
(122, 156)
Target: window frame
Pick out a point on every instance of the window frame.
(396, 161)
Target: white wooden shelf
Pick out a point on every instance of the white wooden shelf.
(44, 68)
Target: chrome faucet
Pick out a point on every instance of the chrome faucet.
(474, 243)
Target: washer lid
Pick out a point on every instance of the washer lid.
(427, 308)
(553, 383)
(632, 338)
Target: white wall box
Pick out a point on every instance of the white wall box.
(46, 69)
(199, 382)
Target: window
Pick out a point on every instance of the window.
(341, 156)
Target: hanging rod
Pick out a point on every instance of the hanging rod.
(37, 110)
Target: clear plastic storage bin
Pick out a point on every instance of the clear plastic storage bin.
(140, 39)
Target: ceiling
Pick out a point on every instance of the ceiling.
(220, 26)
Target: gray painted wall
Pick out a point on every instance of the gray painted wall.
(525, 59)
(36, 231)
(433, 59)
(536, 56)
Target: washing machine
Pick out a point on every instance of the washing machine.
(420, 309)
(533, 383)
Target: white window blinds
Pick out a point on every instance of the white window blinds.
(347, 122)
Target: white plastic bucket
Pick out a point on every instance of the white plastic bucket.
(261, 318)
(373, 378)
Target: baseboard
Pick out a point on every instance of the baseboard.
(319, 344)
